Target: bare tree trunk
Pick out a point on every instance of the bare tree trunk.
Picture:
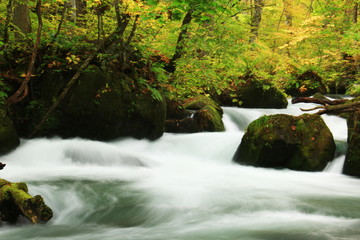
(72, 11)
(171, 67)
(121, 18)
(256, 19)
(21, 18)
(355, 15)
(80, 8)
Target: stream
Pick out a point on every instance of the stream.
(182, 187)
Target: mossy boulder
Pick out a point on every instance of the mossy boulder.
(9, 139)
(352, 160)
(253, 92)
(196, 114)
(306, 84)
(103, 105)
(301, 143)
(15, 201)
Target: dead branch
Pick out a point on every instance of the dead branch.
(311, 109)
(333, 107)
(324, 101)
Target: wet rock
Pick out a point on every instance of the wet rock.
(9, 139)
(101, 106)
(198, 114)
(306, 84)
(253, 92)
(15, 201)
(352, 160)
(301, 143)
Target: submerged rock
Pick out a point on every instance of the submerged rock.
(8, 136)
(15, 201)
(352, 160)
(196, 114)
(301, 143)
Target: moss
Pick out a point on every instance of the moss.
(284, 141)
(210, 120)
(199, 102)
(15, 200)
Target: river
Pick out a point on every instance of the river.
(181, 187)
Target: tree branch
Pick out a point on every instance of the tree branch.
(334, 107)
(23, 90)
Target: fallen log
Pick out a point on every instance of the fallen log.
(15, 201)
(322, 101)
(332, 107)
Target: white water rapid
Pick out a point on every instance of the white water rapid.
(182, 187)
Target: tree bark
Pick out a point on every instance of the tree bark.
(356, 10)
(21, 18)
(256, 19)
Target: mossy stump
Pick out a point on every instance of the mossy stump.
(301, 143)
(15, 201)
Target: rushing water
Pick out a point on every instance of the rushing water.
(182, 186)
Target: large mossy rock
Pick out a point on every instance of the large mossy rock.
(15, 201)
(9, 139)
(352, 160)
(301, 143)
(102, 106)
(253, 92)
(306, 84)
(198, 114)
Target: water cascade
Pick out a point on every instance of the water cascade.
(182, 186)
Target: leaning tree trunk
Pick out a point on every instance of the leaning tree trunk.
(171, 67)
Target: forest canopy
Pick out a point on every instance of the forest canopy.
(193, 46)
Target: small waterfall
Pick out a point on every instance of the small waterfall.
(336, 165)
